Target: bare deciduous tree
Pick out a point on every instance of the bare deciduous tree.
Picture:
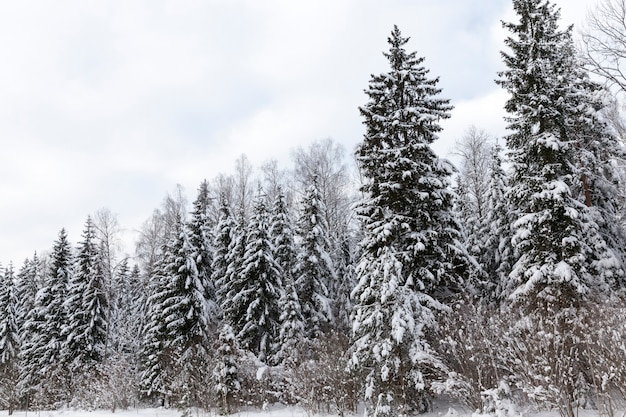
(603, 42)
(474, 149)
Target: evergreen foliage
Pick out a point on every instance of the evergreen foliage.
(225, 374)
(223, 237)
(314, 267)
(412, 256)
(255, 292)
(291, 335)
(9, 340)
(409, 203)
(563, 251)
(86, 306)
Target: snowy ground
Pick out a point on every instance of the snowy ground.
(441, 409)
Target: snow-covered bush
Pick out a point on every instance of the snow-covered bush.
(323, 383)
(468, 339)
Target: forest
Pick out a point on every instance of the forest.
(499, 283)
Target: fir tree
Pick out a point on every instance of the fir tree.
(412, 257)
(314, 267)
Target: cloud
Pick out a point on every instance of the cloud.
(114, 103)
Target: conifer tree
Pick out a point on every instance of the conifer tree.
(43, 371)
(231, 283)
(495, 230)
(86, 306)
(9, 341)
(225, 374)
(314, 268)
(255, 292)
(291, 333)
(559, 146)
(201, 244)
(154, 358)
(223, 237)
(29, 279)
(412, 257)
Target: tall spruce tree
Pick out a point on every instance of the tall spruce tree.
(223, 236)
(560, 153)
(43, 372)
(85, 331)
(9, 341)
(291, 333)
(29, 279)
(412, 257)
(200, 229)
(255, 292)
(495, 230)
(314, 267)
(231, 283)
(155, 362)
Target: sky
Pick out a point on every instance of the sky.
(111, 104)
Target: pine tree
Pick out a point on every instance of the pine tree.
(314, 267)
(255, 292)
(412, 257)
(9, 341)
(565, 253)
(86, 306)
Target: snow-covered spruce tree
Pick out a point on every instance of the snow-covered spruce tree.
(412, 257)
(43, 372)
(225, 374)
(230, 283)
(155, 361)
(9, 341)
(314, 267)
(201, 239)
(127, 325)
(291, 333)
(566, 253)
(86, 306)
(223, 236)
(185, 315)
(28, 281)
(495, 229)
(565, 249)
(255, 292)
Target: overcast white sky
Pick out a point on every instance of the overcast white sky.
(112, 103)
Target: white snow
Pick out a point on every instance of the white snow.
(443, 407)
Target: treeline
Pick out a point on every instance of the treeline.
(503, 290)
